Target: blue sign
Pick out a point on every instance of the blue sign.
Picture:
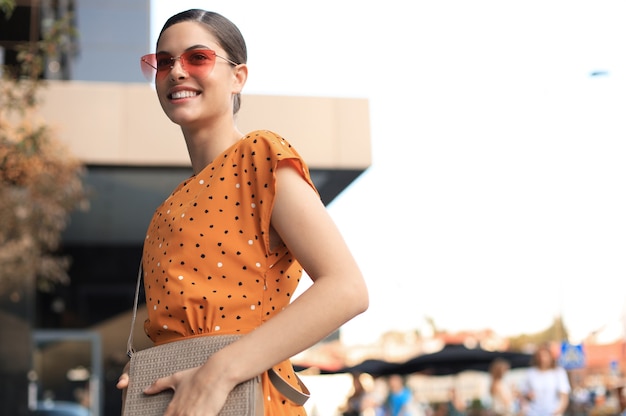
(572, 356)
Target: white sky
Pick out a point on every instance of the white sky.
(496, 198)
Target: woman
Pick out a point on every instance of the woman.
(546, 387)
(502, 398)
(224, 253)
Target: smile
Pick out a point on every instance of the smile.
(183, 94)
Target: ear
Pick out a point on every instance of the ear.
(240, 77)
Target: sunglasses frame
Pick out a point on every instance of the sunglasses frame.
(149, 66)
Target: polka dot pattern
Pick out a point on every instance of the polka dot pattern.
(208, 266)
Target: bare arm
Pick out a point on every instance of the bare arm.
(337, 295)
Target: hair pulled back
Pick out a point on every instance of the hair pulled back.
(227, 34)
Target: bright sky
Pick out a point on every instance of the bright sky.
(496, 198)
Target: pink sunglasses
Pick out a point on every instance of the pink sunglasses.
(195, 62)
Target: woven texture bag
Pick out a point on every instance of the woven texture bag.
(246, 399)
(147, 365)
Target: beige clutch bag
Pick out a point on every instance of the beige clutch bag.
(156, 362)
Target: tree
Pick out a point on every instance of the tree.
(557, 332)
(40, 181)
(6, 7)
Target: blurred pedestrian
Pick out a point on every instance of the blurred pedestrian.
(620, 392)
(400, 398)
(581, 399)
(456, 404)
(546, 388)
(501, 393)
(354, 403)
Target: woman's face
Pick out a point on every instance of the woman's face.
(197, 96)
(544, 358)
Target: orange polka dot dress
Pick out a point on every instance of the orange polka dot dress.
(208, 266)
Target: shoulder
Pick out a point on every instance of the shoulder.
(269, 143)
(264, 150)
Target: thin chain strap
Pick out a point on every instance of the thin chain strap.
(130, 350)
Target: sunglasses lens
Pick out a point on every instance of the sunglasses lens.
(199, 58)
(195, 62)
(148, 66)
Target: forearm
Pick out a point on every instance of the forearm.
(321, 309)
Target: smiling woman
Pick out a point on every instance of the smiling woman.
(224, 253)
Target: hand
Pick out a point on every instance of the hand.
(196, 392)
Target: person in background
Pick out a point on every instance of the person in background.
(224, 253)
(400, 397)
(546, 387)
(363, 399)
(456, 404)
(620, 393)
(581, 399)
(453, 406)
(354, 403)
(501, 393)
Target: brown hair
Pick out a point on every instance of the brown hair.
(535, 360)
(227, 34)
(498, 368)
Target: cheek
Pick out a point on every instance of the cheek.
(160, 91)
(158, 86)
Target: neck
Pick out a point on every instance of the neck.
(207, 144)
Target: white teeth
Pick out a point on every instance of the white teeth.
(184, 94)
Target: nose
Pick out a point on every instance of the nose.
(177, 70)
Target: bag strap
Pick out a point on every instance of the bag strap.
(287, 390)
(296, 396)
(130, 350)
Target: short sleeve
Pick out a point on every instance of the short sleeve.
(261, 153)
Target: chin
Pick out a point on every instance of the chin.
(181, 118)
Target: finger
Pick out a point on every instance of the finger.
(160, 385)
(122, 382)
